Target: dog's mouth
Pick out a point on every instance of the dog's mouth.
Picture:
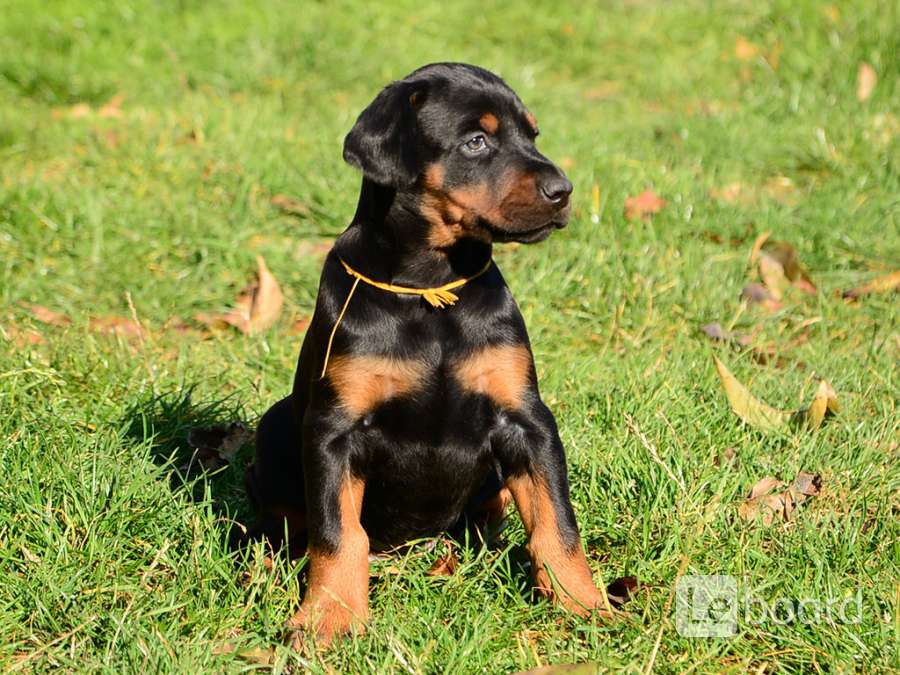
(530, 236)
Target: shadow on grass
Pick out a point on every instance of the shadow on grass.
(164, 421)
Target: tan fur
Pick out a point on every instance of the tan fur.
(489, 123)
(574, 588)
(500, 372)
(337, 595)
(532, 121)
(363, 382)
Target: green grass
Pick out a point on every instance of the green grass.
(107, 562)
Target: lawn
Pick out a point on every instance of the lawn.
(141, 147)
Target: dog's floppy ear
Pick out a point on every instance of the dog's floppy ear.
(385, 142)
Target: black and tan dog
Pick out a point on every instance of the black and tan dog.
(415, 402)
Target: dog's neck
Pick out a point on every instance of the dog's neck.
(388, 241)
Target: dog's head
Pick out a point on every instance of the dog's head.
(460, 141)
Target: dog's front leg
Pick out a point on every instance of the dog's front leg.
(535, 473)
(336, 599)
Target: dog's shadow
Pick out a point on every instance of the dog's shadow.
(166, 422)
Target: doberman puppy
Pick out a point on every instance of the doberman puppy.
(413, 406)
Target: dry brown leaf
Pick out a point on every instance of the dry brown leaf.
(216, 446)
(113, 107)
(773, 56)
(21, 338)
(716, 332)
(49, 316)
(733, 193)
(883, 284)
(784, 255)
(257, 307)
(768, 505)
(116, 325)
(643, 205)
(299, 326)
(744, 50)
(290, 205)
(764, 486)
(782, 189)
(315, 248)
(78, 111)
(444, 566)
(773, 277)
(866, 79)
(564, 669)
(757, 247)
(757, 294)
(258, 655)
(602, 90)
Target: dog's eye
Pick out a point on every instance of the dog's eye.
(476, 144)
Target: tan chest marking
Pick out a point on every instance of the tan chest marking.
(501, 372)
(363, 382)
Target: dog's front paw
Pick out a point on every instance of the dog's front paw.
(326, 619)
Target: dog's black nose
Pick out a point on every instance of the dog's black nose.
(556, 189)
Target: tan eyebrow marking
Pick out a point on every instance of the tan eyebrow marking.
(489, 123)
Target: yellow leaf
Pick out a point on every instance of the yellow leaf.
(866, 79)
(747, 407)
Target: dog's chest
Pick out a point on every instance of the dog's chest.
(365, 383)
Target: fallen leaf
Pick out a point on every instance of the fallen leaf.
(113, 107)
(728, 457)
(621, 590)
(299, 326)
(807, 484)
(716, 332)
(756, 249)
(21, 338)
(79, 110)
(825, 403)
(764, 486)
(883, 284)
(766, 418)
(564, 669)
(745, 50)
(259, 655)
(116, 325)
(764, 503)
(866, 79)
(757, 294)
(733, 193)
(781, 254)
(773, 56)
(214, 447)
(316, 249)
(444, 566)
(643, 205)
(773, 277)
(782, 189)
(290, 205)
(257, 307)
(49, 316)
(602, 90)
